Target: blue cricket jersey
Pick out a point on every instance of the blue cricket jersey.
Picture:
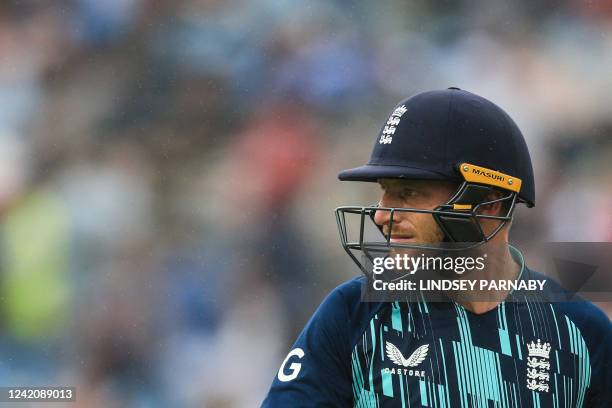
(523, 353)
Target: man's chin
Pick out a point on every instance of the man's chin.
(415, 242)
(416, 247)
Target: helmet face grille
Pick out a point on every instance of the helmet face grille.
(458, 219)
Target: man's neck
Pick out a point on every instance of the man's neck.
(500, 266)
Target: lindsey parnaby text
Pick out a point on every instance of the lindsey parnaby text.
(460, 285)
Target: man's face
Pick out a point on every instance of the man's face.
(409, 227)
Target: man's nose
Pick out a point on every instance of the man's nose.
(383, 217)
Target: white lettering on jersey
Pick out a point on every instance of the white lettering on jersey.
(414, 360)
(294, 367)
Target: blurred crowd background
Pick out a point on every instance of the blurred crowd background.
(168, 169)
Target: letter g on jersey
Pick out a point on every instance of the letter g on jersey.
(294, 367)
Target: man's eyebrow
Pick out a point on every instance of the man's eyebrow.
(399, 187)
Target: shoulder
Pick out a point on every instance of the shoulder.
(342, 299)
(583, 313)
(317, 371)
(346, 298)
(350, 288)
(344, 310)
(590, 319)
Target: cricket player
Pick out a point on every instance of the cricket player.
(452, 166)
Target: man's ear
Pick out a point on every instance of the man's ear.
(494, 208)
(499, 208)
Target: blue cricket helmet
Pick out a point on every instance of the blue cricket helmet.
(431, 134)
